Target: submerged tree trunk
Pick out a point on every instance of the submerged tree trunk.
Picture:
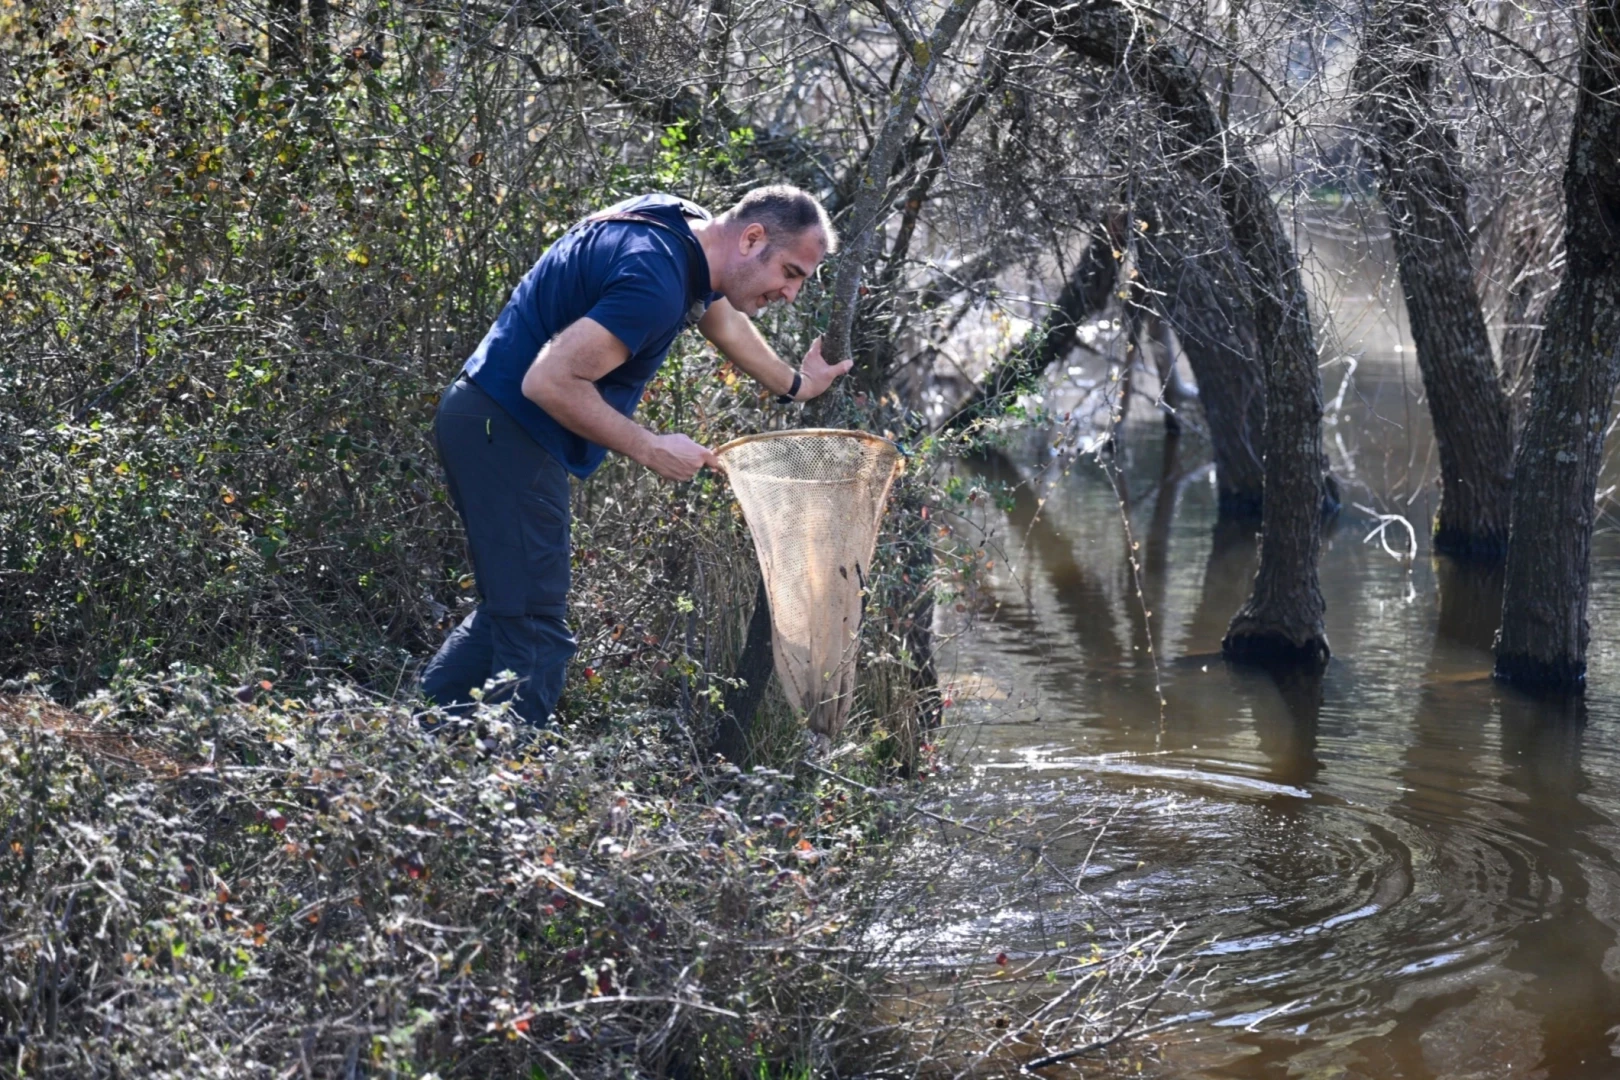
(1282, 621)
(1426, 199)
(1544, 631)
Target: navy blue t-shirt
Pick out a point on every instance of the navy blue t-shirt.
(637, 280)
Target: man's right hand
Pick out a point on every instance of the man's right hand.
(675, 457)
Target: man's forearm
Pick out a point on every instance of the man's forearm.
(740, 343)
(763, 366)
(578, 405)
(562, 381)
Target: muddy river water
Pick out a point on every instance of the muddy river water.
(1400, 869)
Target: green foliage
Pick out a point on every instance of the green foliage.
(233, 296)
(231, 300)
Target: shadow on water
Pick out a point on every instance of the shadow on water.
(1396, 868)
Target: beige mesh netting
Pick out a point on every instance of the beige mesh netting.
(813, 499)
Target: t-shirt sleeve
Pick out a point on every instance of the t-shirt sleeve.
(643, 296)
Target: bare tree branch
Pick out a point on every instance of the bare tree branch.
(874, 180)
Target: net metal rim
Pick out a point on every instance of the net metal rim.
(860, 436)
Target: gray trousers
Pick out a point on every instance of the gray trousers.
(513, 499)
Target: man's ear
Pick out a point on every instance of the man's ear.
(752, 239)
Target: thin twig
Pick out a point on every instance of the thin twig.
(1091, 1048)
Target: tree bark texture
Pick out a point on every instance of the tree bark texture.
(1282, 621)
(1426, 199)
(872, 188)
(1544, 632)
(1199, 288)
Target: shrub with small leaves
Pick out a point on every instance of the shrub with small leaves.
(315, 883)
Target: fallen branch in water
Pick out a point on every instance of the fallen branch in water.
(1381, 529)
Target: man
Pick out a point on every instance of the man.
(554, 386)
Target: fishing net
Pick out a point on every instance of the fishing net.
(813, 499)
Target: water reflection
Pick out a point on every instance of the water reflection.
(1285, 718)
(1395, 868)
(1567, 947)
(1228, 573)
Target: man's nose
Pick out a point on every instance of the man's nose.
(791, 290)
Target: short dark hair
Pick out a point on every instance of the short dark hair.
(785, 212)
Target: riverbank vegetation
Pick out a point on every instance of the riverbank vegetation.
(277, 880)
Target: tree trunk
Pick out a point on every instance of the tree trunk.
(1014, 42)
(1202, 298)
(1282, 621)
(1085, 293)
(1544, 632)
(870, 191)
(1427, 202)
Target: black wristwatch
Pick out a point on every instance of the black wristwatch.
(793, 391)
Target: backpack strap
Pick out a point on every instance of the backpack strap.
(632, 216)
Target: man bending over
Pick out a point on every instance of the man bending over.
(554, 386)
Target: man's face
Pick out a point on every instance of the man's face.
(765, 272)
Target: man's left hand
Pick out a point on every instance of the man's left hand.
(815, 374)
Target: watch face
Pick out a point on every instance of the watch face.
(695, 312)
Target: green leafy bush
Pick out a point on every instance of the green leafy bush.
(235, 295)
